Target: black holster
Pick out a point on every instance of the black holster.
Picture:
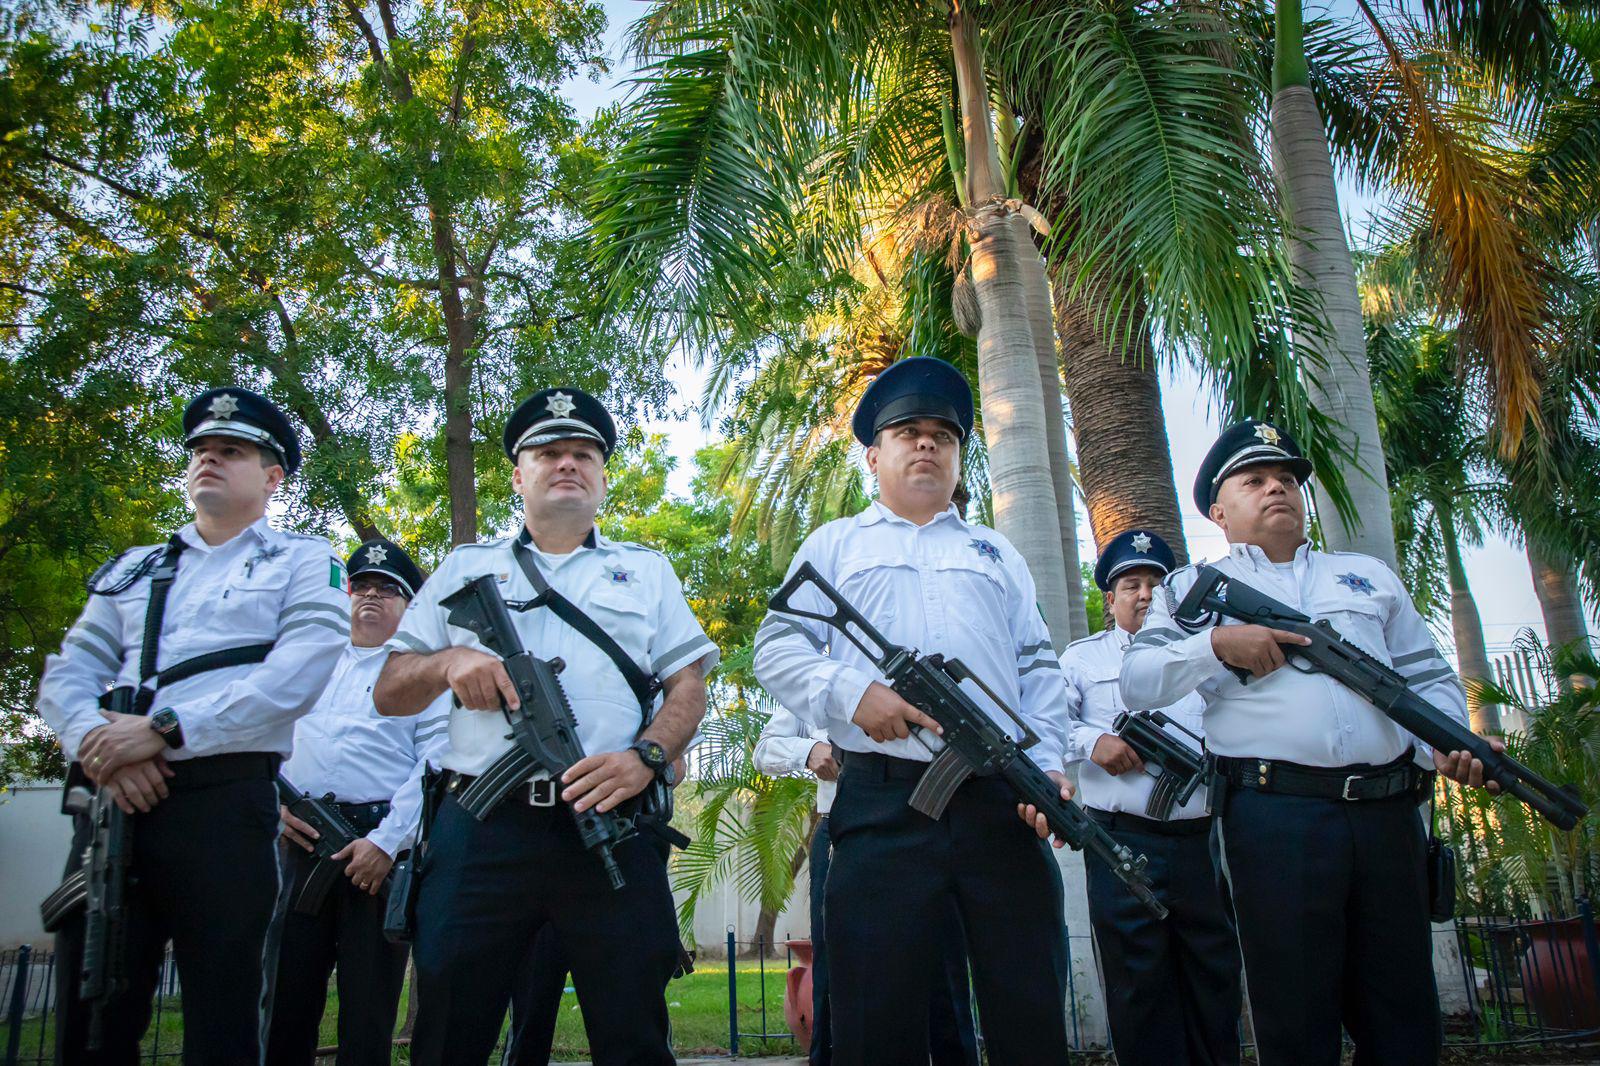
(405, 880)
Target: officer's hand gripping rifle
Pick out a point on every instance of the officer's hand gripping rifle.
(543, 727)
(334, 834)
(1180, 769)
(974, 743)
(1215, 593)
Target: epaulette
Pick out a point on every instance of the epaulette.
(1084, 640)
(138, 570)
(498, 542)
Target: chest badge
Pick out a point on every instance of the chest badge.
(1356, 583)
(985, 549)
(265, 555)
(620, 576)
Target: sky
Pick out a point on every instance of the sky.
(1497, 572)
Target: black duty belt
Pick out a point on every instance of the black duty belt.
(1357, 783)
(1177, 827)
(207, 770)
(876, 766)
(545, 792)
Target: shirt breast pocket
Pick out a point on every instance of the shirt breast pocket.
(624, 615)
(250, 604)
(1357, 619)
(975, 590)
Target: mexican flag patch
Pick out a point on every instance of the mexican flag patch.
(337, 577)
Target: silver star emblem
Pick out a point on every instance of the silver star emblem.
(560, 405)
(1267, 434)
(1141, 542)
(377, 554)
(224, 406)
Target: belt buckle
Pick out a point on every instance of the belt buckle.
(542, 797)
(1344, 793)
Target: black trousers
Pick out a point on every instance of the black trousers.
(1331, 899)
(204, 876)
(1172, 985)
(536, 1002)
(347, 936)
(488, 889)
(892, 880)
(952, 1037)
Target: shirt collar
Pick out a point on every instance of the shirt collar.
(592, 540)
(1257, 558)
(260, 530)
(877, 512)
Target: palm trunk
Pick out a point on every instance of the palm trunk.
(1044, 343)
(1472, 655)
(1341, 387)
(1559, 600)
(1008, 368)
(1124, 460)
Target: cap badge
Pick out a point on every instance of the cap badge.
(620, 576)
(560, 405)
(224, 406)
(1356, 583)
(1267, 434)
(985, 549)
(376, 555)
(1141, 543)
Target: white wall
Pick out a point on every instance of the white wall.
(34, 839)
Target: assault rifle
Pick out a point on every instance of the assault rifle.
(543, 727)
(1215, 593)
(1180, 769)
(974, 742)
(334, 834)
(100, 886)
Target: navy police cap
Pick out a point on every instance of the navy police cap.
(918, 387)
(236, 412)
(559, 414)
(385, 558)
(1247, 443)
(1129, 550)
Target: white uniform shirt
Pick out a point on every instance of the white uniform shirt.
(952, 587)
(1290, 715)
(1092, 666)
(263, 585)
(344, 746)
(784, 750)
(630, 591)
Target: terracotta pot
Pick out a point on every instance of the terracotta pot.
(1558, 975)
(797, 993)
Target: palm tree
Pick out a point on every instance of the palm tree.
(1434, 451)
(719, 182)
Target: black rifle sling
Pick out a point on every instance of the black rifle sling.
(161, 580)
(644, 686)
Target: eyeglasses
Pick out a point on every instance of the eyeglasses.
(382, 590)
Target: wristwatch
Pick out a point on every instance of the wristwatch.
(653, 755)
(165, 723)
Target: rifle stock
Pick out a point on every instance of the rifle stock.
(1215, 593)
(974, 742)
(334, 834)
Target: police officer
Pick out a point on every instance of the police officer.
(1321, 839)
(245, 624)
(788, 748)
(489, 887)
(373, 767)
(1172, 985)
(933, 581)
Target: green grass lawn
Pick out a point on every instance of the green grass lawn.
(698, 1005)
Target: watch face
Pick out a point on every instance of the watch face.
(654, 754)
